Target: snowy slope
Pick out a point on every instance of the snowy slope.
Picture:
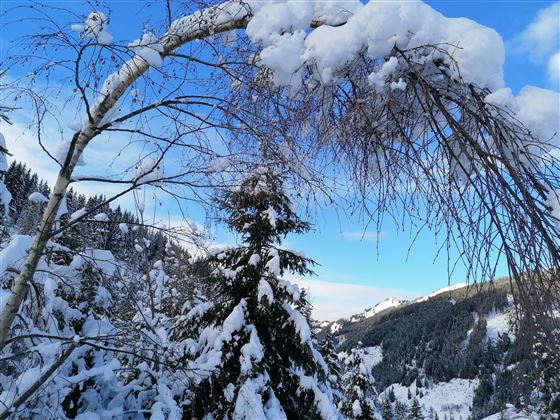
(513, 413)
(388, 303)
(452, 398)
(446, 289)
(497, 323)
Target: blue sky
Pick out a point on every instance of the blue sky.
(358, 267)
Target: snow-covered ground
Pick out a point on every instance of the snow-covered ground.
(388, 303)
(498, 323)
(442, 290)
(372, 356)
(512, 413)
(446, 398)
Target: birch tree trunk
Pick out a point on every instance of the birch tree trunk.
(221, 18)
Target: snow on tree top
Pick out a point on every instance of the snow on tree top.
(37, 197)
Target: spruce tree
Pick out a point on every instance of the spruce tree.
(415, 410)
(255, 354)
(401, 410)
(359, 390)
(386, 410)
(328, 351)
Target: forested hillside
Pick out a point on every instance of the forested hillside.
(460, 340)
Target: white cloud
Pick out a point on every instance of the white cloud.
(24, 147)
(554, 67)
(335, 300)
(541, 41)
(541, 38)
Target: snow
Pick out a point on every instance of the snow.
(538, 109)
(251, 352)
(265, 291)
(5, 197)
(335, 12)
(88, 415)
(101, 217)
(249, 405)
(371, 356)
(3, 159)
(273, 264)
(388, 303)
(442, 290)
(376, 27)
(149, 170)
(272, 409)
(254, 259)
(97, 327)
(324, 405)
(75, 125)
(62, 152)
(199, 310)
(4, 296)
(38, 198)
(300, 323)
(234, 321)
(28, 378)
(77, 214)
(498, 323)
(123, 227)
(13, 255)
(101, 259)
(356, 409)
(513, 413)
(446, 398)
(148, 48)
(62, 208)
(291, 288)
(335, 327)
(553, 203)
(212, 16)
(283, 55)
(95, 27)
(219, 165)
(400, 85)
(386, 71)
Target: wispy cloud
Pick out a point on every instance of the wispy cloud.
(360, 235)
(554, 67)
(335, 300)
(541, 40)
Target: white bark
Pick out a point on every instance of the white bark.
(224, 17)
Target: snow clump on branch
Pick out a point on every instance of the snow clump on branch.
(148, 49)
(378, 28)
(95, 27)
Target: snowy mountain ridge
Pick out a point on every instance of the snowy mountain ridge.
(389, 303)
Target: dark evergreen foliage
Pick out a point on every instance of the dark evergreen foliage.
(247, 281)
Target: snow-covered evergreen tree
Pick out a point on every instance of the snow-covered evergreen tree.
(255, 355)
(415, 410)
(386, 410)
(359, 389)
(328, 350)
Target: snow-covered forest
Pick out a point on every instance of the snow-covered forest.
(260, 112)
